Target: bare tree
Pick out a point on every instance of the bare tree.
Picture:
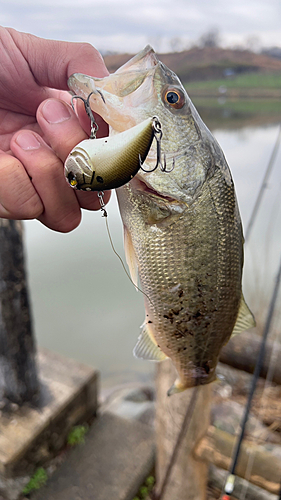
(176, 44)
(210, 39)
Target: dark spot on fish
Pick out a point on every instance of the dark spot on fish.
(180, 293)
(99, 179)
(149, 321)
(184, 349)
(176, 311)
(206, 367)
(170, 317)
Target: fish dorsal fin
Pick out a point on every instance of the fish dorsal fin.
(245, 318)
(146, 348)
(131, 257)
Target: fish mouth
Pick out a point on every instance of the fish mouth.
(145, 188)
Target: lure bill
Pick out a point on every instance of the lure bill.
(110, 162)
(183, 232)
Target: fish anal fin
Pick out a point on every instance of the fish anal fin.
(131, 257)
(245, 318)
(146, 347)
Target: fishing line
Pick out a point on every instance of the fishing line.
(105, 215)
(263, 185)
(229, 486)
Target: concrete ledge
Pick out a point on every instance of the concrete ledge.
(30, 435)
(117, 456)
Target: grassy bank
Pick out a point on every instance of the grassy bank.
(247, 85)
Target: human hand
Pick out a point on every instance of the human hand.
(38, 128)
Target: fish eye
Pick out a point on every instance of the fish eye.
(174, 97)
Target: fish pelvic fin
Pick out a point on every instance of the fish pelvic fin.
(245, 318)
(177, 387)
(146, 347)
(180, 386)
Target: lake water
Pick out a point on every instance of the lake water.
(85, 307)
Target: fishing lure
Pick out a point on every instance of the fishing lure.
(111, 162)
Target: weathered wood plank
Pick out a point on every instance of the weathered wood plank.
(217, 447)
(242, 350)
(217, 479)
(189, 476)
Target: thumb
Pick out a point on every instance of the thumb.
(48, 62)
(53, 61)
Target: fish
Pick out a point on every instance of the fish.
(183, 234)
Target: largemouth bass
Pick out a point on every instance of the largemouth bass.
(183, 233)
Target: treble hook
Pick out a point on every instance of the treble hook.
(158, 136)
(94, 125)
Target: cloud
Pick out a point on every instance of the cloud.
(124, 25)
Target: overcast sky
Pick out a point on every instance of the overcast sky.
(128, 25)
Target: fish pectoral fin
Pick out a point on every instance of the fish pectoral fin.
(245, 318)
(131, 257)
(146, 348)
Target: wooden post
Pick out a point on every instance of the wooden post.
(217, 446)
(242, 350)
(17, 349)
(189, 475)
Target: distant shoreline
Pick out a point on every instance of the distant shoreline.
(233, 93)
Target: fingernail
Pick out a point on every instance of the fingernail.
(27, 140)
(55, 111)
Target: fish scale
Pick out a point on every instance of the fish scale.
(183, 233)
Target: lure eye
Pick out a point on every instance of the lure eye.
(72, 179)
(174, 97)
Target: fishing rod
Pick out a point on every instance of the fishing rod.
(230, 481)
(263, 185)
(229, 485)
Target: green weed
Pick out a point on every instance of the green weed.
(38, 480)
(145, 489)
(77, 435)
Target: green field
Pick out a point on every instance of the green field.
(243, 81)
(252, 106)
